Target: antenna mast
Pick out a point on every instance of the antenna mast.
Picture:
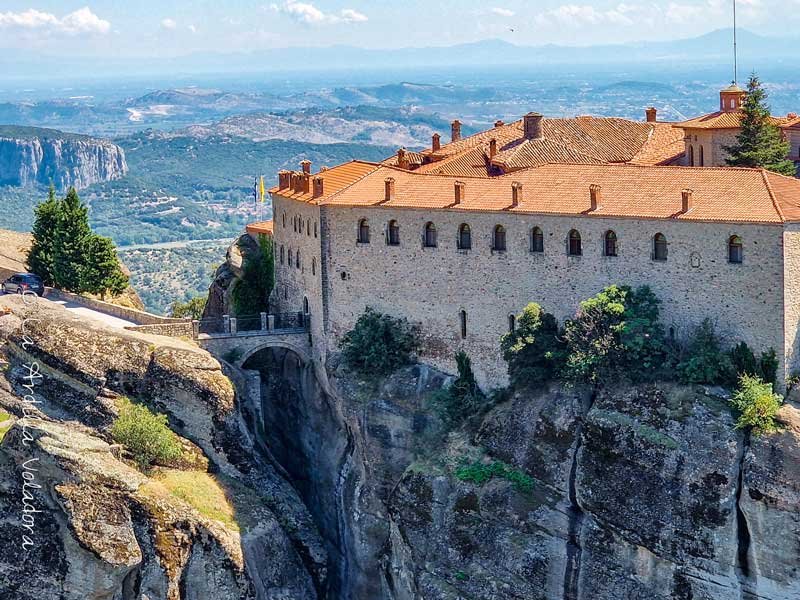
(735, 58)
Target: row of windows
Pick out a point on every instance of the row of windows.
(536, 237)
(296, 262)
(298, 225)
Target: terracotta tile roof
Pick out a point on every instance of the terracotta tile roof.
(414, 158)
(524, 153)
(582, 139)
(723, 120)
(792, 122)
(258, 227)
(334, 180)
(470, 163)
(633, 191)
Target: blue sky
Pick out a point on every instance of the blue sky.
(172, 27)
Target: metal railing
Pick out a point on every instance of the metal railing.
(260, 324)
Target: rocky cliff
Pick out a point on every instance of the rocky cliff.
(325, 484)
(243, 251)
(29, 155)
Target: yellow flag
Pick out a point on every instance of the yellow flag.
(261, 189)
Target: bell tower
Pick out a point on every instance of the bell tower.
(731, 98)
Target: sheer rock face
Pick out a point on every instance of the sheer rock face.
(106, 531)
(219, 302)
(39, 156)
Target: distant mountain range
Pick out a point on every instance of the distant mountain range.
(710, 48)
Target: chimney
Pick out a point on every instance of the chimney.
(686, 201)
(306, 165)
(498, 123)
(402, 159)
(651, 113)
(516, 194)
(460, 192)
(532, 126)
(318, 186)
(388, 189)
(284, 179)
(294, 181)
(455, 130)
(492, 148)
(305, 183)
(594, 196)
(436, 143)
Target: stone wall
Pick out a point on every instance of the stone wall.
(176, 330)
(432, 285)
(293, 283)
(130, 314)
(713, 142)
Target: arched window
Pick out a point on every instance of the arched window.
(363, 231)
(464, 237)
(691, 155)
(537, 240)
(659, 247)
(308, 228)
(512, 321)
(294, 223)
(574, 245)
(702, 159)
(610, 245)
(284, 220)
(499, 239)
(313, 266)
(429, 239)
(462, 315)
(735, 249)
(393, 233)
(315, 229)
(286, 292)
(281, 254)
(297, 259)
(290, 257)
(305, 305)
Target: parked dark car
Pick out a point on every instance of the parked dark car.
(23, 282)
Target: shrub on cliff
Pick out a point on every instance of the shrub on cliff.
(704, 360)
(145, 435)
(744, 362)
(463, 397)
(379, 344)
(534, 351)
(756, 405)
(616, 335)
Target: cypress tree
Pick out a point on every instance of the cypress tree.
(45, 224)
(101, 272)
(760, 143)
(70, 240)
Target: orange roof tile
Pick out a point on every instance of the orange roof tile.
(665, 146)
(533, 153)
(334, 179)
(633, 191)
(722, 120)
(786, 191)
(469, 163)
(265, 227)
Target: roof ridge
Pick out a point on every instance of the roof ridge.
(337, 192)
(772, 195)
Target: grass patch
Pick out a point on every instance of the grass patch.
(202, 491)
(5, 423)
(479, 473)
(643, 431)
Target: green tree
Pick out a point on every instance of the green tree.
(69, 242)
(101, 272)
(705, 361)
(463, 397)
(756, 404)
(251, 293)
(45, 224)
(378, 343)
(192, 308)
(533, 350)
(760, 144)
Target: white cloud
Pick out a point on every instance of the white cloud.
(502, 12)
(192, 28)
(81, 21)
(309, 14)
(579, 15)
(169, 24)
